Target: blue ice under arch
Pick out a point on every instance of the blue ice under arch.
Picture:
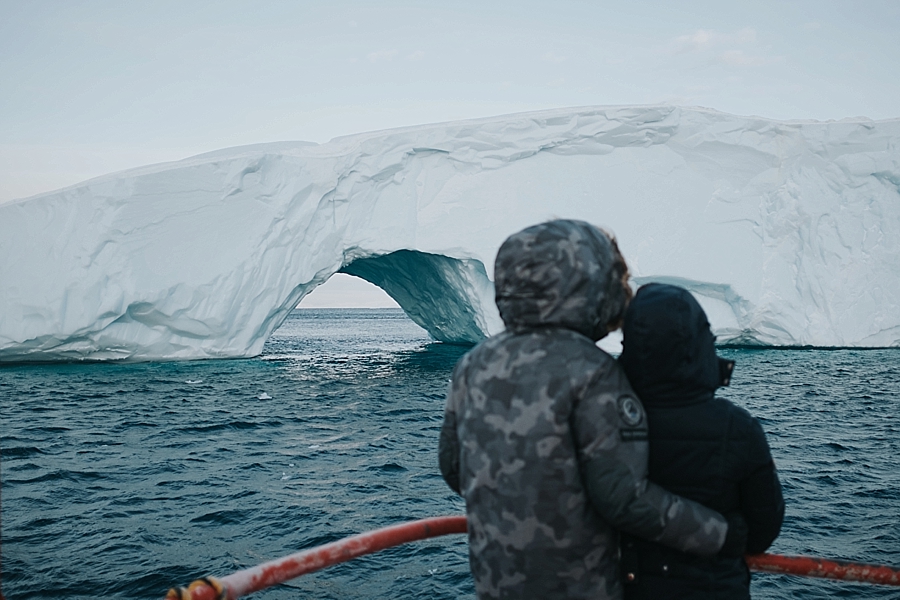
(451, 298)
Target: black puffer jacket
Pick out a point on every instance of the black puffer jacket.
(701, 447)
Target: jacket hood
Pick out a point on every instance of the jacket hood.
(562, 273)
(668, 351)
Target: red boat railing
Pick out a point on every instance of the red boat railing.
(810, 566)
(284, 569)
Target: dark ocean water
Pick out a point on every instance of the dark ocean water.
(122, 480)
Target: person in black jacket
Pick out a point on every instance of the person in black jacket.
(701, 447)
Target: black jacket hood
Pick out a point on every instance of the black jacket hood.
(668, 351)
(561, 273)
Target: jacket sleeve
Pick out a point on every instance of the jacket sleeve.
(448, 445)
(762, 503)
(610, 428)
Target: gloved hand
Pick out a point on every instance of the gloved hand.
(735, 544)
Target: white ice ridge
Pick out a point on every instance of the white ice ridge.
(787, 232)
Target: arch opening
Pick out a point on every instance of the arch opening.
(452, 299)
(343, 290)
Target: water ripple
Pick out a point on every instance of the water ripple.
(152, 475)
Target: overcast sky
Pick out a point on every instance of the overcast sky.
(94, 87)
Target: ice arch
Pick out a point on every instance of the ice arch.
(451, 299)
(790, 231)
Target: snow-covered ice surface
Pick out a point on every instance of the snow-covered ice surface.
(787, 232)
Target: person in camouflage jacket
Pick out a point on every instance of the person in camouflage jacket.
(544, 438)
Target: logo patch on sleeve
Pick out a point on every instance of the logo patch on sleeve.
(633, 435)
(630, 411)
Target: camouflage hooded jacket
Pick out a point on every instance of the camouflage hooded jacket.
(543, 436)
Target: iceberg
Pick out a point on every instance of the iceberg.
(788, 232)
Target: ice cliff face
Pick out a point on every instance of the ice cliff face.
(787, 232)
